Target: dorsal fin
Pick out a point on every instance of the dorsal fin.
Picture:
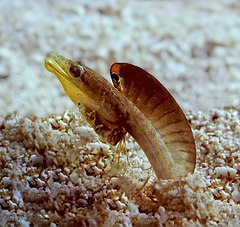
(173, 144)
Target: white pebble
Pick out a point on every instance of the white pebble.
(75, 176)
(18, 198)
(225, 171)
(96, 170)
(53, 225)
(36, 158)
(53, 122)
(66, 117)
(62, 124)
(63, 177)
(236, 195)
(24, 223)
(12, 205)
(67, 170)
(40, 182)
(44, 175)
(6, 181)
(120, 205)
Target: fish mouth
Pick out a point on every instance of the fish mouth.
(57, 65)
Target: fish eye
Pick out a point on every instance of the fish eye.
(115, 77)
(76, 71)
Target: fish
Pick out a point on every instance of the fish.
(138, 104)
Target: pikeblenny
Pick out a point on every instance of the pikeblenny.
(138, 104)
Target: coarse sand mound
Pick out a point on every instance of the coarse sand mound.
(55, 171)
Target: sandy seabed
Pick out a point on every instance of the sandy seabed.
(54, 169)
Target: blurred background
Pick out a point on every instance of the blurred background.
(192, 47)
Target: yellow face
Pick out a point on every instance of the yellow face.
(72, 77)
